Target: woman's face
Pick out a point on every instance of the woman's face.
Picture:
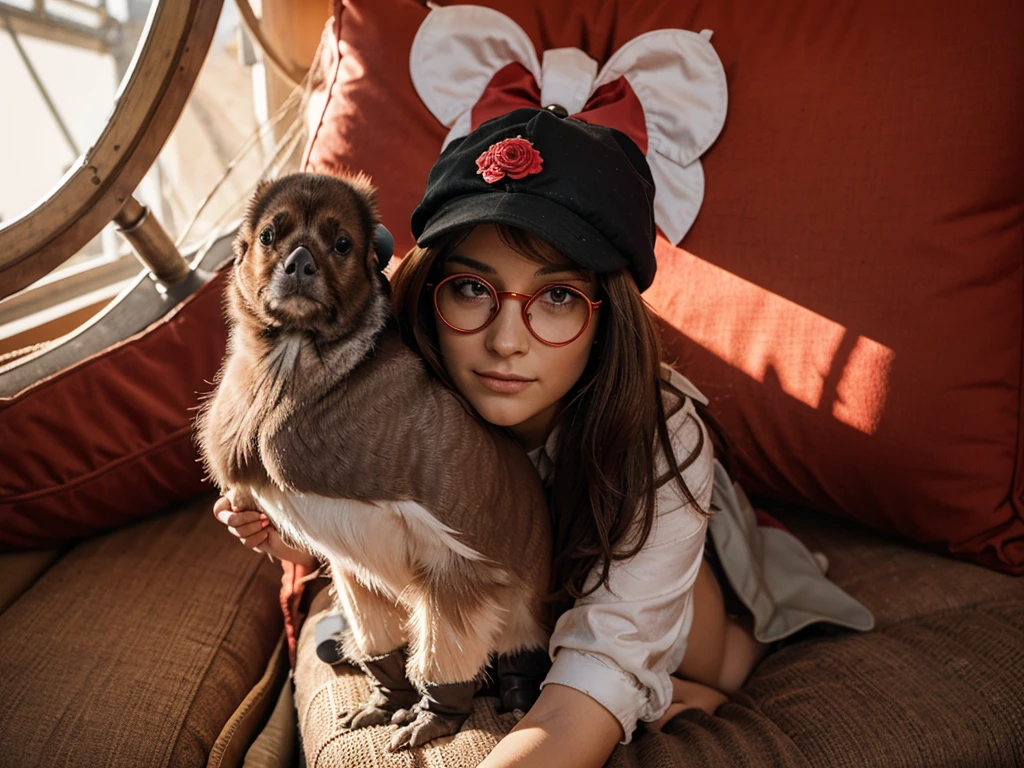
(510, 377)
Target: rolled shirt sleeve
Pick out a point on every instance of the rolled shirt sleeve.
(620, 644)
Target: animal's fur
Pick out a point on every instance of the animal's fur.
(433, 523)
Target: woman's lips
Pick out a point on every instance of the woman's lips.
(503, 383)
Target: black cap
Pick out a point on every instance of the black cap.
(592, 199)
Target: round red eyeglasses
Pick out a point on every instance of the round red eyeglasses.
(556, 315)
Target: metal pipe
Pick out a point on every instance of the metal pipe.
(151, 243)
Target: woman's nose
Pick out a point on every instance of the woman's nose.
(507, 335)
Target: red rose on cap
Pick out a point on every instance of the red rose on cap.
(513, 157)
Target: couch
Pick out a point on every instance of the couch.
(160, 644)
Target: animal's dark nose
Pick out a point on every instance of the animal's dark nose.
(300, 263)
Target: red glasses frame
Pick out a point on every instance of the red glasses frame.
(526, 298)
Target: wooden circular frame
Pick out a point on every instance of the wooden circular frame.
(152, 96)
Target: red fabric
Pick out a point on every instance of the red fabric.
(293, 585)
(512, 87)
(850, 295)
(614, 104)
(109, 440)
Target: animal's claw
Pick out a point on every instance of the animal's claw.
(405, 716)
(364, 717)
(441, 712)
(426, 727)
(389, 691)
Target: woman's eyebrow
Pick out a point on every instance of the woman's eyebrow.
(473, 263)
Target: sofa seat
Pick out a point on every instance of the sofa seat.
(136, 647)
(937, 683)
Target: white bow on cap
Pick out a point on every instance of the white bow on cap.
(463, 54)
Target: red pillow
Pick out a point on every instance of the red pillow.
(850, 295)
(109, 440)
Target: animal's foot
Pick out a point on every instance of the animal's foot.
(426, 727)
(390, 691)
(364, 717)
(441, 712)
(405, 716)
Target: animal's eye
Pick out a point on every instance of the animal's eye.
(267, 236)
(343, 246)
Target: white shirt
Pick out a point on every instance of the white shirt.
(619, 644)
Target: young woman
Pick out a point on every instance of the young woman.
(536, 238)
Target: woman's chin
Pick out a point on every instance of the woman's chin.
(500, 411)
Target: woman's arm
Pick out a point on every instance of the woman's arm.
(615, 650)
(564, 728)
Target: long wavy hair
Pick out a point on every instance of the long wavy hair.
(602, 498)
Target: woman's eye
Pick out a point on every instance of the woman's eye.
(471, 289)
(267, 236)
(559, 296)
(343, 246)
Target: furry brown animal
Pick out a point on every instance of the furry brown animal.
(434, 524)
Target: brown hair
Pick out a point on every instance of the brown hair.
(603, 494)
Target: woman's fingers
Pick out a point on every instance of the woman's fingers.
(677, 705)
(238, 519)
(251, 527)
(254, 541)
(246, 517)
(672, 711)
(224, 512)
(248, 529)
(687, 694)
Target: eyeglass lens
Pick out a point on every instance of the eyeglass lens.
(556, 314)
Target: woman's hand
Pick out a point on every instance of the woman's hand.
(687, 694)
(254, 530)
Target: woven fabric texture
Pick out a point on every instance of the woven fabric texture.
(936, 684)
(137, 646)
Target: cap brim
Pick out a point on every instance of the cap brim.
(557, 225)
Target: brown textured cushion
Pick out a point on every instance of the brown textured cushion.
(239, 732)
(942, 689)
(938, 683)
(136, 647)
(19, 570)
